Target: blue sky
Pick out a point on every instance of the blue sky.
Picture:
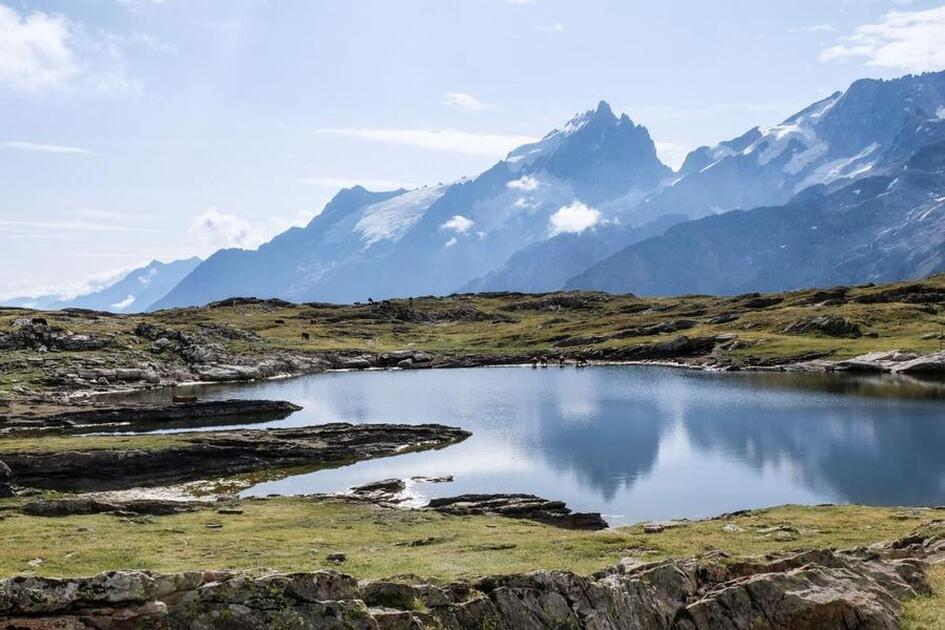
(140, 129)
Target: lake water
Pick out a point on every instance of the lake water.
(637, 443)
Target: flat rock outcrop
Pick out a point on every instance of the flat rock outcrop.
(191, 412)
(526, 506)
(199, 455)
(895, 362)
(815, 589)
(81, 505)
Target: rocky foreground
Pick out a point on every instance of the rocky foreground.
(201, 455)
(860, 589)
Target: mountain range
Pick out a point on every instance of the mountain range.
(848, 190)
(133, 292)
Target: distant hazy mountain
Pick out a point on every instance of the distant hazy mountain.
(878, 229)
(132, 293)
(590, 173)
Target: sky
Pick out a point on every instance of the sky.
(139, 129)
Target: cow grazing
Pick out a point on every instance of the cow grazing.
(306, 336)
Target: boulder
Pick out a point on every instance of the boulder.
(832, 325)
(926, 364)
(525, 506)
(5, 477)
(873, 362)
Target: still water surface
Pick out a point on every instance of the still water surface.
(636, 443)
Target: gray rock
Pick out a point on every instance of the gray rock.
(927, 364)
(833, 325)
(525, 506)
(6, 491)
(814, 589)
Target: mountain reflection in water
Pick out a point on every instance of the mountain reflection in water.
(638, 442)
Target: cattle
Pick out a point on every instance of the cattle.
(39, 321)
(534, 362)
(306, 336)
(279, 322)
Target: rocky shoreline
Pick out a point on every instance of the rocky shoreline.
(860, 588)
(391, 493)
(201, 455)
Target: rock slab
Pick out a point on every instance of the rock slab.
(816, 589)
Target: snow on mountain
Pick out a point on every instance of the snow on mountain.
(589, 173)
(582, 192)
(389, 220)
(839, 139)
(881, 228)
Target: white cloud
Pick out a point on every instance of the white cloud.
(43, 148)
(557, 27)
(574, 219)
(221, 230)
(468, 142)
(349, 182)
(450, 242)
(671, 154)
(128, 301)
(145, 279)
(137, 6)
(526, 183)
(465, 101)
(68, 290)
(911, 41)
(97, 214)
(67, 226)
(217, 230)
(458, 223)
(815, 28)
(34, 50)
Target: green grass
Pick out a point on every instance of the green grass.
(56, 443)
(518, 328)
(927, 613)
(296, 534)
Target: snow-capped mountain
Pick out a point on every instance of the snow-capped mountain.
(868, 129)
(846, 168)
(586, 194)
(433, 240)
(133, 292)
(881, 228)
